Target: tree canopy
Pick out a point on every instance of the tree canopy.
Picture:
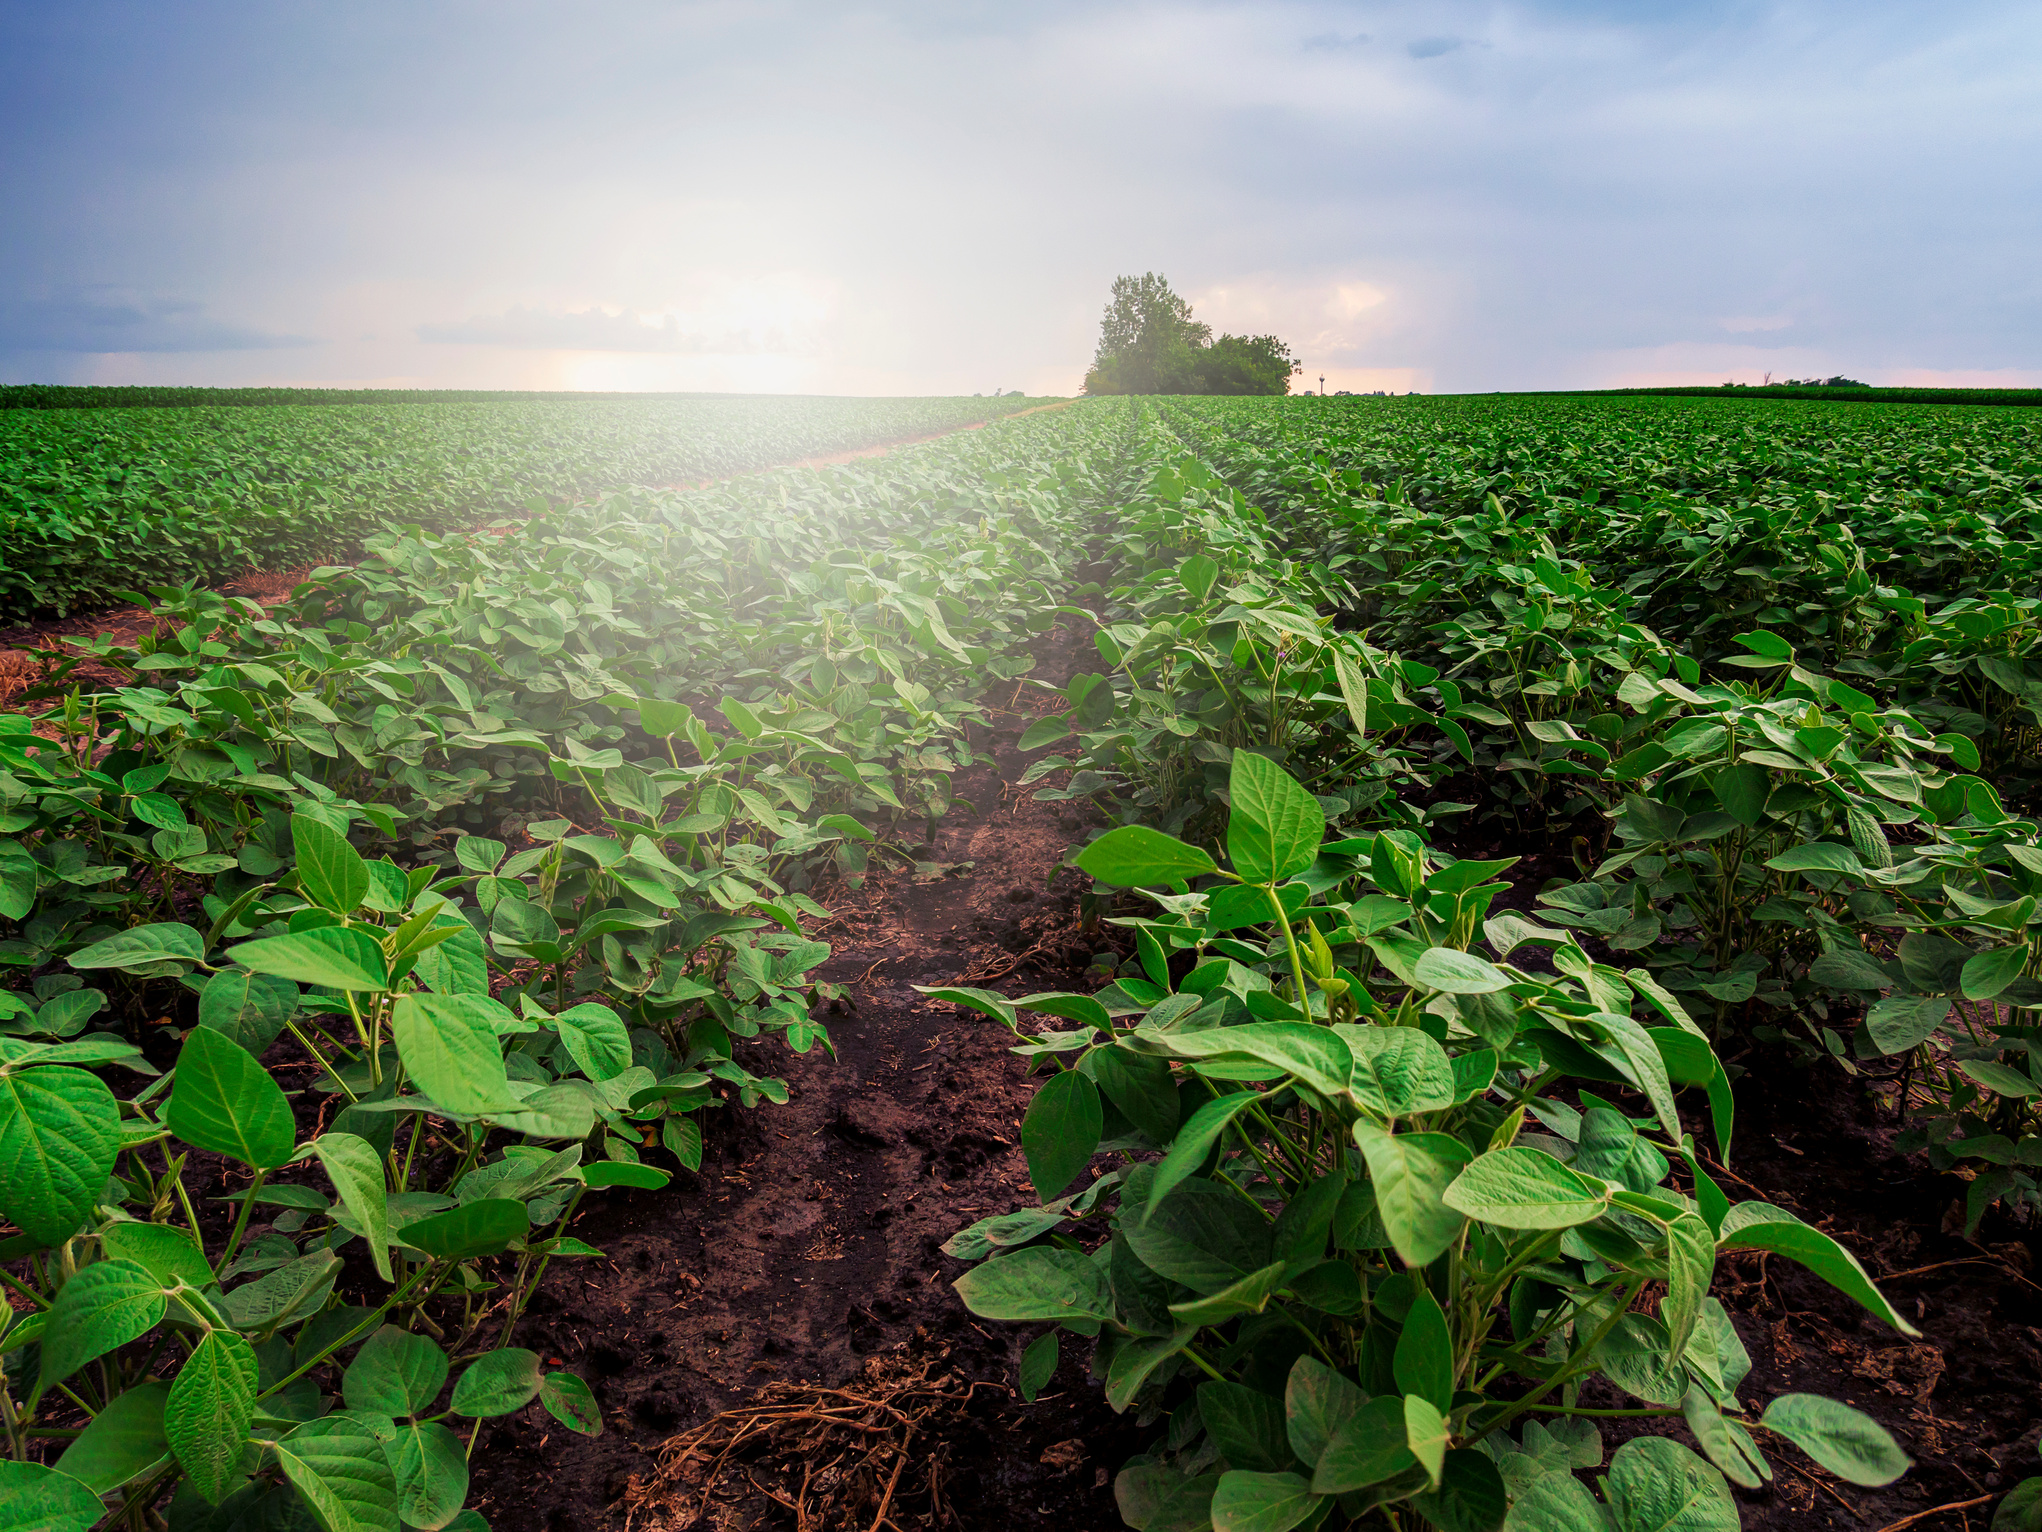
(1150, 343)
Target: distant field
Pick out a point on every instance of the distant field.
(95, 500)
(1832, 395)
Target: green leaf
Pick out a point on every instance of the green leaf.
(1690, 1267)
(18, 878)
(478, 853)
(1758, 1226)
(497, 1382)
(1134, 856)
(212, 1401)
(1411, 1172)
(250, 1008)
(356, 1171)
(645, 1178)
(143, 947)
(284, 1296)
(60, 1133)
(1657, 1485)
(1725, 1444)
(103, 1307)
(570, 1401)
(165, 1252)
(1037, 1283)
(1140, 1086)
(1261, 1502)
(37, 1498)
(394, 1373)
(223, 1100)
(596, 1039)
(119, 1442)
(1197, 575)
(1275, 826)
(1318, 1056)
(1559, 1502)
(1194, 1142)
(450, 1048)
(1247, 1425)
(340, 1470)
(2001, 1079)
(1425, 1431)
(1818, 856)
(331, 873)
(1373, 1445)
(1424, 1360)
(1038, 1365)
(1987, 973)
(1522, 1188)
(1905, 1021)
(486, 1226)
(1471, 1496)
(1458, 973)
(1061, 1132)
(1317, 1404)
(1203, 1235)
(1848, 1442)
(1250, 1295)
(1044, 731)
(1742, 790)
(339, 957)
(1400, 1070)
(429, 1465)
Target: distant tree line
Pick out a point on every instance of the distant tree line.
(1149, 343)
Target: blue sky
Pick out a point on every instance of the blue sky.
(934, 198)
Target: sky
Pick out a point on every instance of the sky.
(934, 198)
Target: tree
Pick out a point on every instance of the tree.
(1150, 343)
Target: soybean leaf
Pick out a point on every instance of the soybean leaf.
(224, 1100)
(119, 1442)
(1038, 1365)
(1411, 1172)
(251, 1008)
(1195, 1140)
(486, 1226)
(496, 1383)
(1037, 1284)
(1276, 826)
(1424, 1360)
(1061, 1132)
(1134, 856)
(569, 1400)
(356, 1170)
(103, 1307)
(429, 1465)
(451, 1050)
(37, 1498)
(339, 957)
(1657, 1485)
(1371, 1446)
(1848, 1442)
(1523, 1188)
(1261, 1502)
(394, 1373)
(60, 1134)
(340, 1469)
(330, 871)
(1759, 1226)
(1317, 1403)
(212, 1401)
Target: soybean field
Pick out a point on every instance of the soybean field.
(1187, 963)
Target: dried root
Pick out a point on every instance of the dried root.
(861, 1459)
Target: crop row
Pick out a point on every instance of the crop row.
(96, 502)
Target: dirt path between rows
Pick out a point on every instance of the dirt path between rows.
(807, 1252)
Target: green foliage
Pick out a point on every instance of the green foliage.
(1383, 1240)
(98, 501)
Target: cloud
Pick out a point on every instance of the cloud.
(1334, 42)
(1433, 47)
(108, 324)
(593, 329)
